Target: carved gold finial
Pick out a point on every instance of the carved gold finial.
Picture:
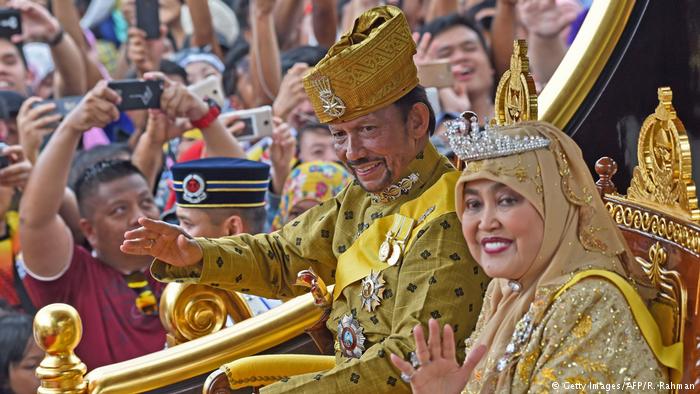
(516, 96)
(663, 176)
(308, 278)
(190, 311)
(57, 330)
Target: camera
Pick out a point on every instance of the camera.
(138, 94)
(436, 74)
(4, 159)
(210, 87)
(10, 22)
(64, 106)
(258, 122)
(148, 18)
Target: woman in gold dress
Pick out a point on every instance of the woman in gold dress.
(559, 314)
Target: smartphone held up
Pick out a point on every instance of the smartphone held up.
(138, 94)
(147, 18)
(257, 121)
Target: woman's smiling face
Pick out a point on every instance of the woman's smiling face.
(503, 230)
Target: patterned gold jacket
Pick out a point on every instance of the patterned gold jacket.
(436, 278)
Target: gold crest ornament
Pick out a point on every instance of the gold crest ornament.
(372, 291)
(370, 67)
(332, 104)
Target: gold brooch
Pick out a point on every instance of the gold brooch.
(399, 188)
(332, 104)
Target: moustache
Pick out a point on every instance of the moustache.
(355, 163)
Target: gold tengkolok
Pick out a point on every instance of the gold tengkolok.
(369, 68)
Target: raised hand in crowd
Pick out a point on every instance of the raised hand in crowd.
(546, 18)
(282, 151)
(34, 122)
(97, 109)
(148, 153)
(233, 124)
(546, 22)
(291, 92)
(435, 370)
(38, 25)
(47, 240)
(128, 8)
(17, 173)
(422, 43)
(177, 101)
(143, 53)
(163, 241)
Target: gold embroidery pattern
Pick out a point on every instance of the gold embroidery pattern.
(517, 171)
(396, 190)
(527, 364)
(583, 327)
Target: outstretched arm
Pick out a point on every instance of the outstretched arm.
(39, 25)
(47, 242)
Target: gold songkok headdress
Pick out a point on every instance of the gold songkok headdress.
(369, 68)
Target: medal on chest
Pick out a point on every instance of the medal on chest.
(351, 337)
(391, 250)
(372, 291)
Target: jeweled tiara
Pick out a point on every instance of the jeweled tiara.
(469, 142)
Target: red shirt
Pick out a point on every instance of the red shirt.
(114, 329)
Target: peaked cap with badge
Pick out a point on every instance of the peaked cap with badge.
(220, 182)
(370, 67)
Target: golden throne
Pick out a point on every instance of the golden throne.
(660, 219)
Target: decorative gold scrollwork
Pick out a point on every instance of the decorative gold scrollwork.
(663, 175)
(190, 311)
(516, 96)
(660, 226)
(668, 283)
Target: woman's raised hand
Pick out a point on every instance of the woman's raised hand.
(436, 370)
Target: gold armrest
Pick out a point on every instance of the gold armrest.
(267, 369)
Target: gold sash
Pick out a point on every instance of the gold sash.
(670, 356)
(362, 257)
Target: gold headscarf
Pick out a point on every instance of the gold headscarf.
(578, 232)
(370, 67)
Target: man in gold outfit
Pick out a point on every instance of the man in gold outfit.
(390, 242)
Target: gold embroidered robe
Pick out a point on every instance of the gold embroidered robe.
(437, 278)
(586, 341)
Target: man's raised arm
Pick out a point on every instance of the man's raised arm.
(47, 242)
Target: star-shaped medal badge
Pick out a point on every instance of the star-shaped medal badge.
(372, 291)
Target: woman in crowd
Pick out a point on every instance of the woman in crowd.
(308, 185)
(559, 310)
(19, 355)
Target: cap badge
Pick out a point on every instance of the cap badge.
(332, 104)
(193, 187)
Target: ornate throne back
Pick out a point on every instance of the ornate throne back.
(660, 219)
